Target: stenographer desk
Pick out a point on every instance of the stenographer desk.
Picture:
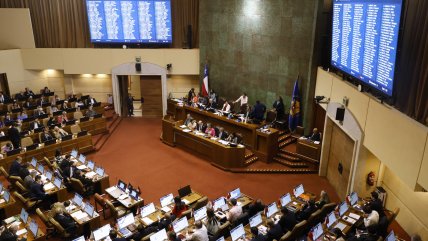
(221, 155)
(265, 145)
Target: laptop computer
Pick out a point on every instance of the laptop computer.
(237, 232)
(34, 228)
(184, 191)
(159, 236)
(102, 233)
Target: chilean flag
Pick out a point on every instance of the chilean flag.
(205, 82)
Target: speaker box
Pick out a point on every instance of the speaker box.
(189, 36)
(138, 67)
(340, 114)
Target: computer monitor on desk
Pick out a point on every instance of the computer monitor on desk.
(159, 236)
(184, 191)
(101, 233)
(298, 190)
(285, 199)
(256, 220)
(237, 232)
(235, 193)
(343, 207)
(180, 224)
(148, 209)
(166, 200)
(126, 220)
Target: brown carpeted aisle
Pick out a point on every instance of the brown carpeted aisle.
(134, 153)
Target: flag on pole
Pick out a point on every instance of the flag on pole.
(205, 90)
(294, 118)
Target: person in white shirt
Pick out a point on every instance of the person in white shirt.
(244, 102)
(200, 233)
(234, 212)
(226, 107)
(371, 217)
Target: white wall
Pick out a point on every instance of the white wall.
(16, 30)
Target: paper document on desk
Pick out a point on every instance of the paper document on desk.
(123, 196)
(223, 142)
(262, 229)
(71, 207)
(147, 220)
(79, 215)
(349, 219)
(354, 216)
(187, 130)
(9, 220)
(200, 134)
(2, 201)
(240, 146)
(340, 226)
(183, 126)
(316, 142)
(48, 186)
(21, 231)
(90, 174)
(111, 189)
(81, 167)
(186, 201)
(166, 209)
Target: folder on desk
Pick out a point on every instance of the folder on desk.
(183, 126)
(354, 216)
(340, 226)
(48, 186)
(90, 174)
(79, 215)
(21, 231)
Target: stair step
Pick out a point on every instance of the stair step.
(290, 163)
(284, 137)
(289, 157)
(248, 155)
(251, 160)
(279, 171)
(286, 142)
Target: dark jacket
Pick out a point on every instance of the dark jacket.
(275, 233)
(66, 222)
(15, 168)
(37, 191)
(260, 237)
(288, 221)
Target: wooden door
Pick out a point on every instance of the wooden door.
(341, 151)
(151, 91)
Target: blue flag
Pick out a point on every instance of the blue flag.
(294, 118)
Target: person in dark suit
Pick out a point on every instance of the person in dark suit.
(3, 97)
(36, 189)
(46, 136)
(165, 222)
(143, 231)
(35, 124)
(307, 210)
(201, 126)
(130, 104)
(23, 171)
(28, 92)
(278, 105)
(172, 236)
(113, 236)
(190, 95)
(9, 234)
(258, 112)
(257, 236)
(15, 167)
(376, 204)
(255, 207)
(288, 220)
(90, 100)
(19, 95)
(65, 221)
(85, 181)
(8, 121)
(370, 235)
(316, 136)
(14, 135)
(222, 134)
(274, 231)
(51, 120)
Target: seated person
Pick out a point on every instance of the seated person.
(64, 105)
(46, 90)
(35, 124)
(255, 207)
(143, 231)
(65, 221)
(27, 104)
(288, 220)
(8, 121)
(258, 112)
(192, 125)
(237, 139)
(54, 100)
(165, 222)
(231, 137)
(9, 234)
(338, 234)
(200, 233)
(28, 92)
(188, 120)
(23, 171)
(212, 223)
(226, 107)
(78, 104)
(316, 136)
(209, 130)
(36, 189)
(46, 136)
(6, 148)
(113, 236)
(42, 101)
(62, 119)
(29, 179)
(90, 100)
(51, 120)
(59, 132)
(211, 104)
(81, 177)
(201, 126)
(324, 199)
(308, 208)
(39, 111)
(222, 134)
(15, 167)
(369, 235)
(172, 236)
(376, 203)
(22, 115)
(179, 207)
(257, 236)
(54, 108)
(234, 212)
(91, 112)
(371, 217)
(274, 231)
(15, 106)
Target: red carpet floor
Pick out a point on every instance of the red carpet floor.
(134, 153)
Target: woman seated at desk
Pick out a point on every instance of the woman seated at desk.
(179, 207)
(209, 130)
(192, 125)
